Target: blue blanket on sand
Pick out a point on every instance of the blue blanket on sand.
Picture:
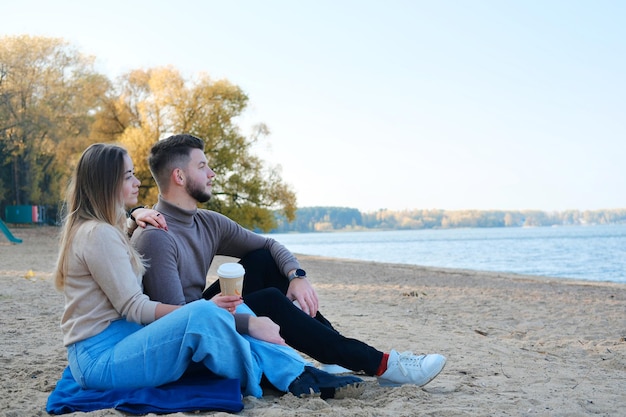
(190, 393)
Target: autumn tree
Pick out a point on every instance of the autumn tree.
(151, 104)
(48, 93)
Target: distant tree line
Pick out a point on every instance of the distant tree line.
(325, 219)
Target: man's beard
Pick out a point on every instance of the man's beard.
(197, 192)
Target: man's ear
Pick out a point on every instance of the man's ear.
(178, 176)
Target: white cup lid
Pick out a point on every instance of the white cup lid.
(230, 270)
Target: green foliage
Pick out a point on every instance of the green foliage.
(53, 105)
(155, 103)
(48, 92)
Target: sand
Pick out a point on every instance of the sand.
(516, 345)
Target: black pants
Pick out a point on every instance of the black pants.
(264, 292)
(261, 272)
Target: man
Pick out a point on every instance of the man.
(180, 259)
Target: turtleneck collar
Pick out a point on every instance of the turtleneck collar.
(171, 210)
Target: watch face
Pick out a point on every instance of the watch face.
(300, 273)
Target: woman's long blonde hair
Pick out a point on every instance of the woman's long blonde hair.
(95, 193)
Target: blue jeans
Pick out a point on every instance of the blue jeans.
(129, 355)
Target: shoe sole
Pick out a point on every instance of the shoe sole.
(388, 383)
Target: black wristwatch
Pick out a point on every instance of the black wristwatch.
(299, 273)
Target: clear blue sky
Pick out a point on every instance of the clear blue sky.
(394, 104)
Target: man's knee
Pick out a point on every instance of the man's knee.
(258, 258)
(262, 272)
(271, 293)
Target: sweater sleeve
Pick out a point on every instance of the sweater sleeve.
(161, 281)
(237, 241)
(107, 258)
(241, 323)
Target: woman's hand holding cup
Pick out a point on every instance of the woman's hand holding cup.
(228, 302)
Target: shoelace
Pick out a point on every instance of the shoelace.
(409, 360)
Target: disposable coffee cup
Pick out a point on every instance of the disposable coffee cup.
(231, 278)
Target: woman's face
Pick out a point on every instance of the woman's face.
(130, 185)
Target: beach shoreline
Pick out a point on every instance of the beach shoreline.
(516, 344)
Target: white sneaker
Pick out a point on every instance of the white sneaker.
(407, 368)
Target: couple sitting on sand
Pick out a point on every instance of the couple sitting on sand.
(120, 335)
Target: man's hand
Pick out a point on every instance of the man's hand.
(227, 302)
(263, 328)
(301, 290)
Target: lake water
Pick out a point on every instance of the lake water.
(595, 253)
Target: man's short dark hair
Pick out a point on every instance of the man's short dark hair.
(170, 153)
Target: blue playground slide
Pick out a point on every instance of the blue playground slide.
(8, 234)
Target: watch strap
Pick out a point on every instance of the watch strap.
(298, 273)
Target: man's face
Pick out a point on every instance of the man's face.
(199, 177)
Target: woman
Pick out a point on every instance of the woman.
(117, 337)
